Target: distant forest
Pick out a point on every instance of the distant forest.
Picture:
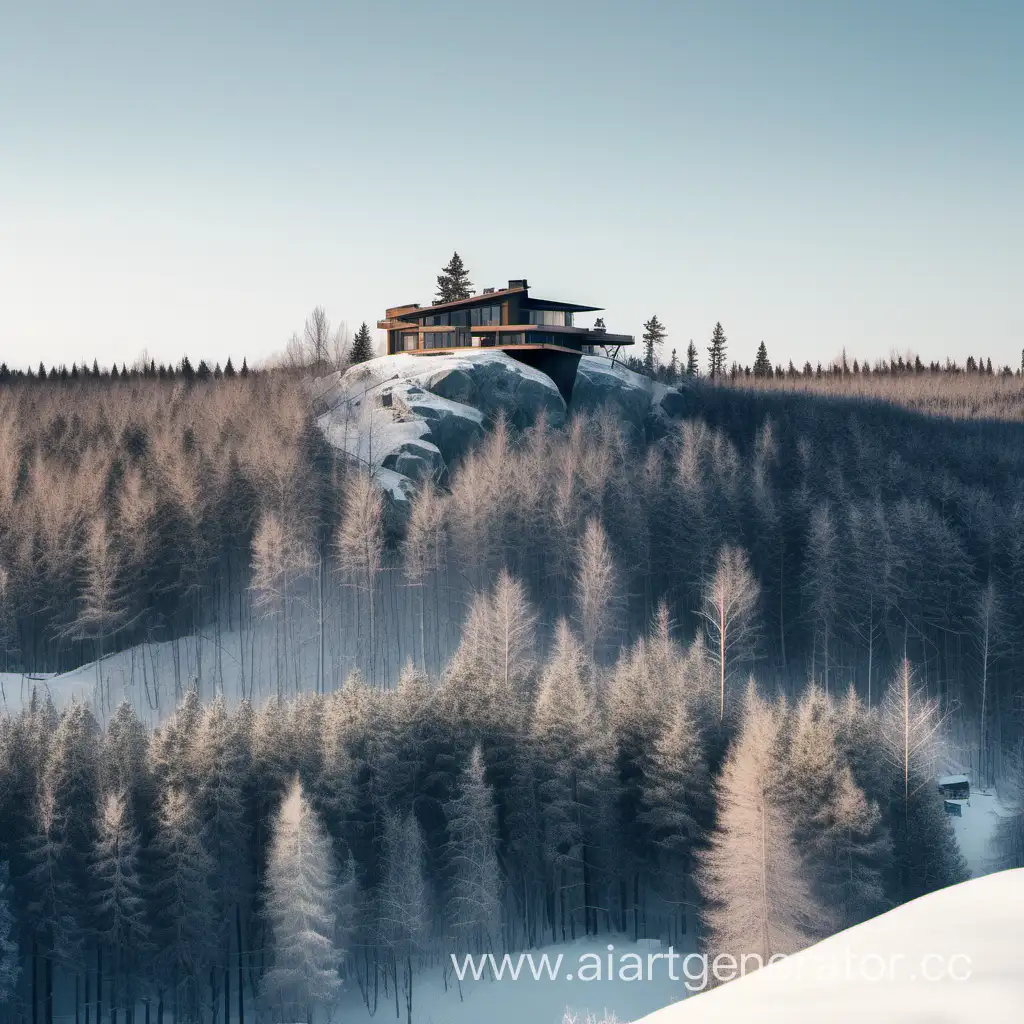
(540, 702)
(870, 533)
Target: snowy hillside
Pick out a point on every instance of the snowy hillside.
(953, 956)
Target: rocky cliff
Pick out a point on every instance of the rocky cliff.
(407, 417)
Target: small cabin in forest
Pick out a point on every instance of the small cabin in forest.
(955, 791)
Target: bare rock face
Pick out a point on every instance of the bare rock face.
(408, 418)
(645, 406)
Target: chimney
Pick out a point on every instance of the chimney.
(519, 282)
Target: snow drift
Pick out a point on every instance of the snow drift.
(955, 956)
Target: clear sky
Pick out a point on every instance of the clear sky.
(195, 177)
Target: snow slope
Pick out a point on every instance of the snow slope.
(953, 957)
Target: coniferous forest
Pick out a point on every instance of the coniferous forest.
(592, 684)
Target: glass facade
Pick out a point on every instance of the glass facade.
(549, 317)
(483, 316)
(447, 339)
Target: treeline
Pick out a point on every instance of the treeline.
(139, 370)
(762, 368)
(254, 859)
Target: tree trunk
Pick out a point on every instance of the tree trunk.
(241, 976)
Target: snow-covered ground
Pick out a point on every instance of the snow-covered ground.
(530, 1001)
(975, 828)
(953, 957)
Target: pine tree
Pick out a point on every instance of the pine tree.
(565, 740)
(118, 907)
(229, 370)
(301, 889)
(753, 878)
(596, 589)
(675, 801)
(453, 282)
(474, 899)
(716, 353)
(362, 345)
(10, 966)
(837, 830)
(654, 336)
(402, 900)
(672, 370)
(692, 367)
(762, 367)
(244, 372)
(182, 909)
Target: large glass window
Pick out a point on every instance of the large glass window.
(410, 341)
(549, 317)
(439, 339)
(510, 338)
(460, 318)
(482, 316)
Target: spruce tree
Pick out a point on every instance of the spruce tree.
(362, 345)
(119, 911)
(672, 370)
(301, 889)
(716, 353)
(692, 367)
(453, 282)
(654, 336)
(762, 367)
(474, 901)
(229, 369)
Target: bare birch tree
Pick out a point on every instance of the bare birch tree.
(728, 609)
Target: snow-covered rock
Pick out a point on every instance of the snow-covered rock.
(409, 417)
(953, 956)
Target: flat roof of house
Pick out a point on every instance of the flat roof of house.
(485, 297)
(953, 780)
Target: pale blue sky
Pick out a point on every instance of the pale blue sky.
(195, 177)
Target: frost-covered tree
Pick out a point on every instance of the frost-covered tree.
(10, 966)
(728, 606)
(751, 875)
(221, 760)
(425, 547)
(569, 771)
(118, 907)
(280, 557)
(822, 586)
(359, 543)
(183, 923)
(301, 890)
(675, 800)
(838, 831)
(403, 903)
(925, 849)
(596, 588)
(475, 894)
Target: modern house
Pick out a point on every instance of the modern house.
(538, 332)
